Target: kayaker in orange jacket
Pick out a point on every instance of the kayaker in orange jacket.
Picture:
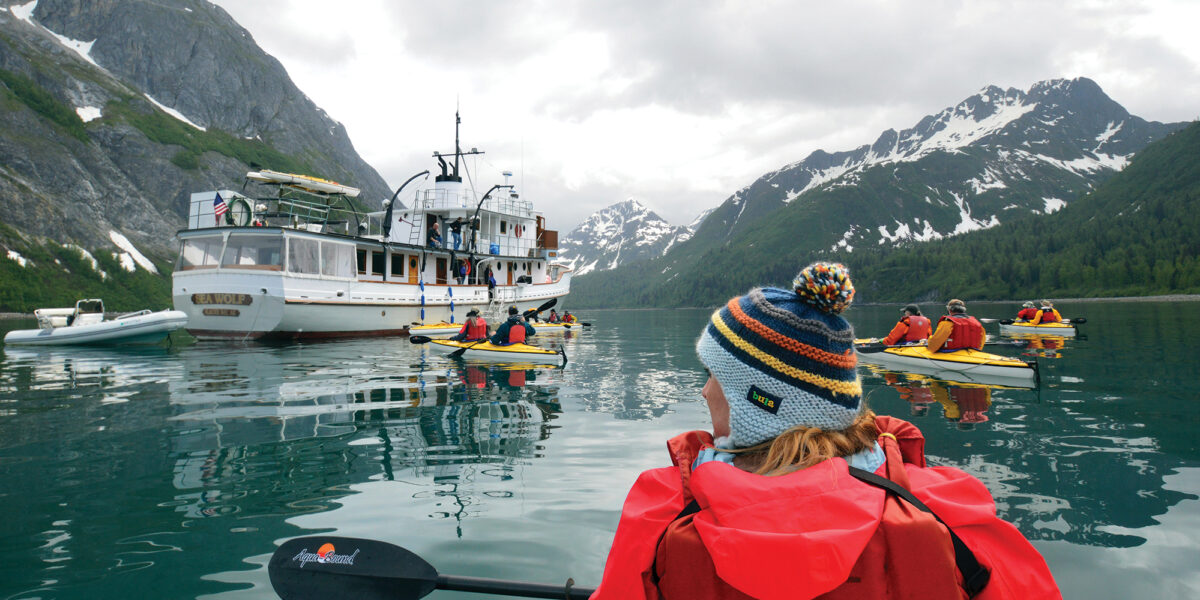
(911, 328)
(786, 499)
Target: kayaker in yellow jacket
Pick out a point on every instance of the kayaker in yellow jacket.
(957, 330)
(1047, 314)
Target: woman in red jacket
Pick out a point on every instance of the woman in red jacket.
(801, 492)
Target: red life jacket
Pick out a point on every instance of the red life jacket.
(516, 333)
(1027, 314)
(816, 533)
(478, 331)
(1048, 316)
(967, 333)
(918, 329)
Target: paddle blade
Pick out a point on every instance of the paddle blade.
(419, 339)
(329, 567)
(1078, 320)
(586, 324)
(870, 348)
(547, 305)
(1006, 321)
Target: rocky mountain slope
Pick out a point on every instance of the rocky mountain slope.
(113, 112)
(996, 157)
(623, 233)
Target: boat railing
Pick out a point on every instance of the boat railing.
(136, 313)
(436, 199)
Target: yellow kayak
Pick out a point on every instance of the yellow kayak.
(511, 353)
(975, 364)
(433, 329)
(1065, 329)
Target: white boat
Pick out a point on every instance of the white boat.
(307, 263)
(85, 324)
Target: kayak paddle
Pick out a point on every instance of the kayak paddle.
(545, 306)
(324, 567)
(458, 353)
(419, 339)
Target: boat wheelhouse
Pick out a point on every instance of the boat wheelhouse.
(304, 260)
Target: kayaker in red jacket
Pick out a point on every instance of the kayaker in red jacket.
(911, 328)
(775, 503)
(474, 329)
(1027, 312)
(957, 330)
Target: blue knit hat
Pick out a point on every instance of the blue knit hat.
(786, 357)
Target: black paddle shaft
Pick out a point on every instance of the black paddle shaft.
(523, 589)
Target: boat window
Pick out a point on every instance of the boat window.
(377, 260)
(200, 252)
(398, 265)
(503, 226)
(254, 252)
(362, 262)
(337, 260)
(304, 256)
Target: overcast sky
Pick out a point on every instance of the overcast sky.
(680, 104)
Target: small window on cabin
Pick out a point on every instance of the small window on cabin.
(362, 262)
(412, 262)
(377, 263)
(503, 226)
(397, 265)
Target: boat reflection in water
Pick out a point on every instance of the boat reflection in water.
(455, 435)
(963, 403)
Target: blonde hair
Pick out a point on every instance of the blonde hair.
(801, 447)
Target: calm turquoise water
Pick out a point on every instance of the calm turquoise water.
(174, 473)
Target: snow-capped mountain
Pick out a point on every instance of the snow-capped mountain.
(998, 141)
(619, 234)
(997, 156)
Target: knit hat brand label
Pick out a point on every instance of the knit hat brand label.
(763, 400)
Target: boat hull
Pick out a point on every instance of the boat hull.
(226, 304)
(515, 353)
(140, 329)
(975, 366)
(1040, 329)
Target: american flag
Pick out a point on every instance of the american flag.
(219, 208)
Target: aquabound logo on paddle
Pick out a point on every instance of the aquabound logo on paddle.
(325, 555)
(763, 400)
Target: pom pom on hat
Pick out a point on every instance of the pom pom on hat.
(825, 286)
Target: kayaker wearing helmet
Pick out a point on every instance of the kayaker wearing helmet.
(514, 330)
(1027, 312)
(766, 506)
(474, 329)
(957, 330)
(1046, 314)
(911, 328)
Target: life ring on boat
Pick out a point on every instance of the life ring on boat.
(518, 229)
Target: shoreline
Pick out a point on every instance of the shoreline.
(1163, 298)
